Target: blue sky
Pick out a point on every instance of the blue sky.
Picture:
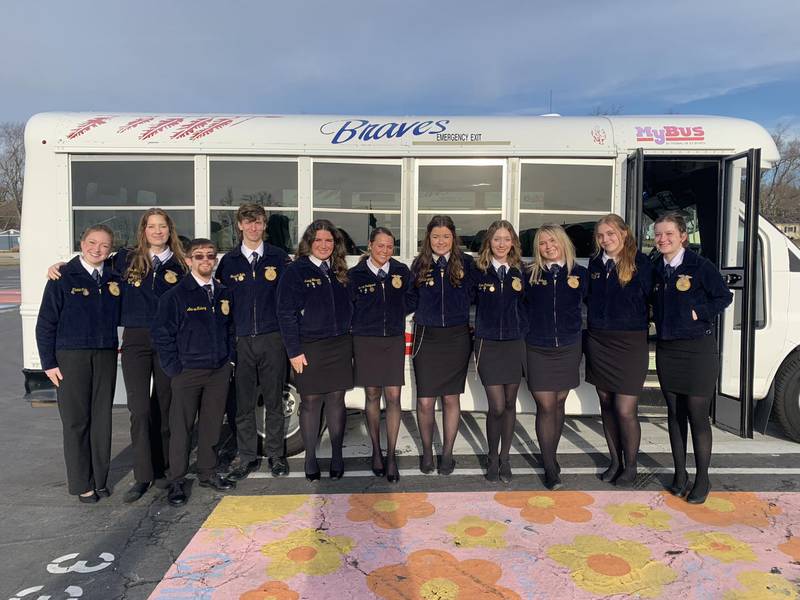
(414, 57)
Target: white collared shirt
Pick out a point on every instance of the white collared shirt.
(163, 256)
(374, 268)
(497, 264)
(317, 262)
(248, 254)
(677, 260)
(90, 269)
(201, 283)
(436, 257)
(560, 263)
(607, 258)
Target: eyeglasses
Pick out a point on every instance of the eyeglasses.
(207, 256)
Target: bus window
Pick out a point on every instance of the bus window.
(115, 192)
(573, 194)
(357, 198)
(272, 184)
(471, 194)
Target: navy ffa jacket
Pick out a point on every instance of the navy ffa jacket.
(253, 289)
(499, 314)
(696, 285)
(78, 314)
(140, 297)
(615, 307)
(553, 307)
(190, 332)
(379, 307)
(311, 306)
(437, 303)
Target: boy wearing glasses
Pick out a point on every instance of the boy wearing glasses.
(193, 334)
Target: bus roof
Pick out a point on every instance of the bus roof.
(396, 136)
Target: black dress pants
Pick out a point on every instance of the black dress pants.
(260, 361)
(85, 397)
(196, 394)
(149, 407)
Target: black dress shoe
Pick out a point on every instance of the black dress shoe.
(552, 481)
(505, 471)
(447, 467)
(103, 492)
(698, 496)
(426, 466)
(313, 476)
(242, 469)
(378, 471)
(493, 469)
(681, 490)
(137, 491)
(217, 482)
(176, 495)
(279, 467)
(336, 473)
(91, 499)
(392, 474)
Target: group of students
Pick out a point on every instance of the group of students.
(343, 327)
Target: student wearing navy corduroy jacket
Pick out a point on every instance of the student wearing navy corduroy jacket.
(76, 333)
(193, 334)
(154, 266)
(555, 291)
(441, 295)
(688, 295)
(499, 331)
(251, 271)
(314, 312)
(617, 357)
(379, 284)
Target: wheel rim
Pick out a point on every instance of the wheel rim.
(291, 420)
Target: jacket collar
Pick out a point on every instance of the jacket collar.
(74, 267)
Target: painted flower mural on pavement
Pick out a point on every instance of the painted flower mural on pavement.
(389, 511)
(546, 507)
(472, 531)
(306, 551)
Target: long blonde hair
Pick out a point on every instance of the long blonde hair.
(626, 259)
(485, 254)
(139, 263)
(562, 239)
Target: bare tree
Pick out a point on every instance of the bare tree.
(780, 186)
(611, 109)
(12, 164)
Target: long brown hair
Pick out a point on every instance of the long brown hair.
(567, 247)
(455, 266)
(626, 260)
(338, 256)
(139, 263)
(514, 255)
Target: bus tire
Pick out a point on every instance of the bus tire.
(787, 396)
(291, 404)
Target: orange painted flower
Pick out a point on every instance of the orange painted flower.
(546, 507)
(306, 551)
(791, 547)
(389, 511)
(437, 575)
(727, 508)
(271, 590)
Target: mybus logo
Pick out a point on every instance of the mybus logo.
(362, 129)
(670, 133)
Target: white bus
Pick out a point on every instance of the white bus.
(363, 172)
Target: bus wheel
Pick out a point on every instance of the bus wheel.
(291, 404)
(787, 396)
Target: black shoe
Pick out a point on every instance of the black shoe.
(176, 495)
(137, 491)
(505, 471)
(380, 471)
(336, 473)
(92, 499)
(493, 469)
(552, 481)
(242, 469)
(103, 492)
(447, 467)
(279, 467)
(392, 474)
(426, 466)
(625, 479)
(680, 490)
(611, 473)
(698, 496)
(219, 483)
(312, 476)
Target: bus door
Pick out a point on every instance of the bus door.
(633, 192)
(738, 241)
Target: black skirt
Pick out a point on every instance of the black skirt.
(330, 366)
(617, 361)
(499, 362)
(553, 369)
(688, 367)
(441, 358)
(379, 361)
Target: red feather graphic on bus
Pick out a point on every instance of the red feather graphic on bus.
(191, 127)
(86, 126)
(216, 125)
(134, 124)
(159, 127)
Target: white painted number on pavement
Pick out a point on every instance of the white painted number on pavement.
(80, 566)
(73, 592)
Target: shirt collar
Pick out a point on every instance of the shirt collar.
(677, 260)
(497, 264)
(375, 268)
(248, 254)
(317, 262)
(89, 268)
(549, 264)
(607, 258)
(163, 256)
(201, 283)
(436, 257)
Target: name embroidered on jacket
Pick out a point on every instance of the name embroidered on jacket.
(196, 308)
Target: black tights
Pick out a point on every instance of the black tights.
(501, 418)
(623, 434)
(451, 414)
(549, 425)
(372, 411)
(335, 416)
(683, 410)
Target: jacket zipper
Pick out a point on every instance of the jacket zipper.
(441, 272)
(333, 304)
(383, 292)
(501, 309)
(255, 297)
(555, 318)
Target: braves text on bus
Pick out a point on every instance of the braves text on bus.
(362, 129)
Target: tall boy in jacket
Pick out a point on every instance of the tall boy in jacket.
(193, 334)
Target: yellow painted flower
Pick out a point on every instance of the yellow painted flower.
(633, 514)
(727, 508)
(791, 547)
(546, 507)
(243, 511)
(306, 551)
(471, 532)
(762, 586)
(722, 546)
(606, 567)
(389, 511)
